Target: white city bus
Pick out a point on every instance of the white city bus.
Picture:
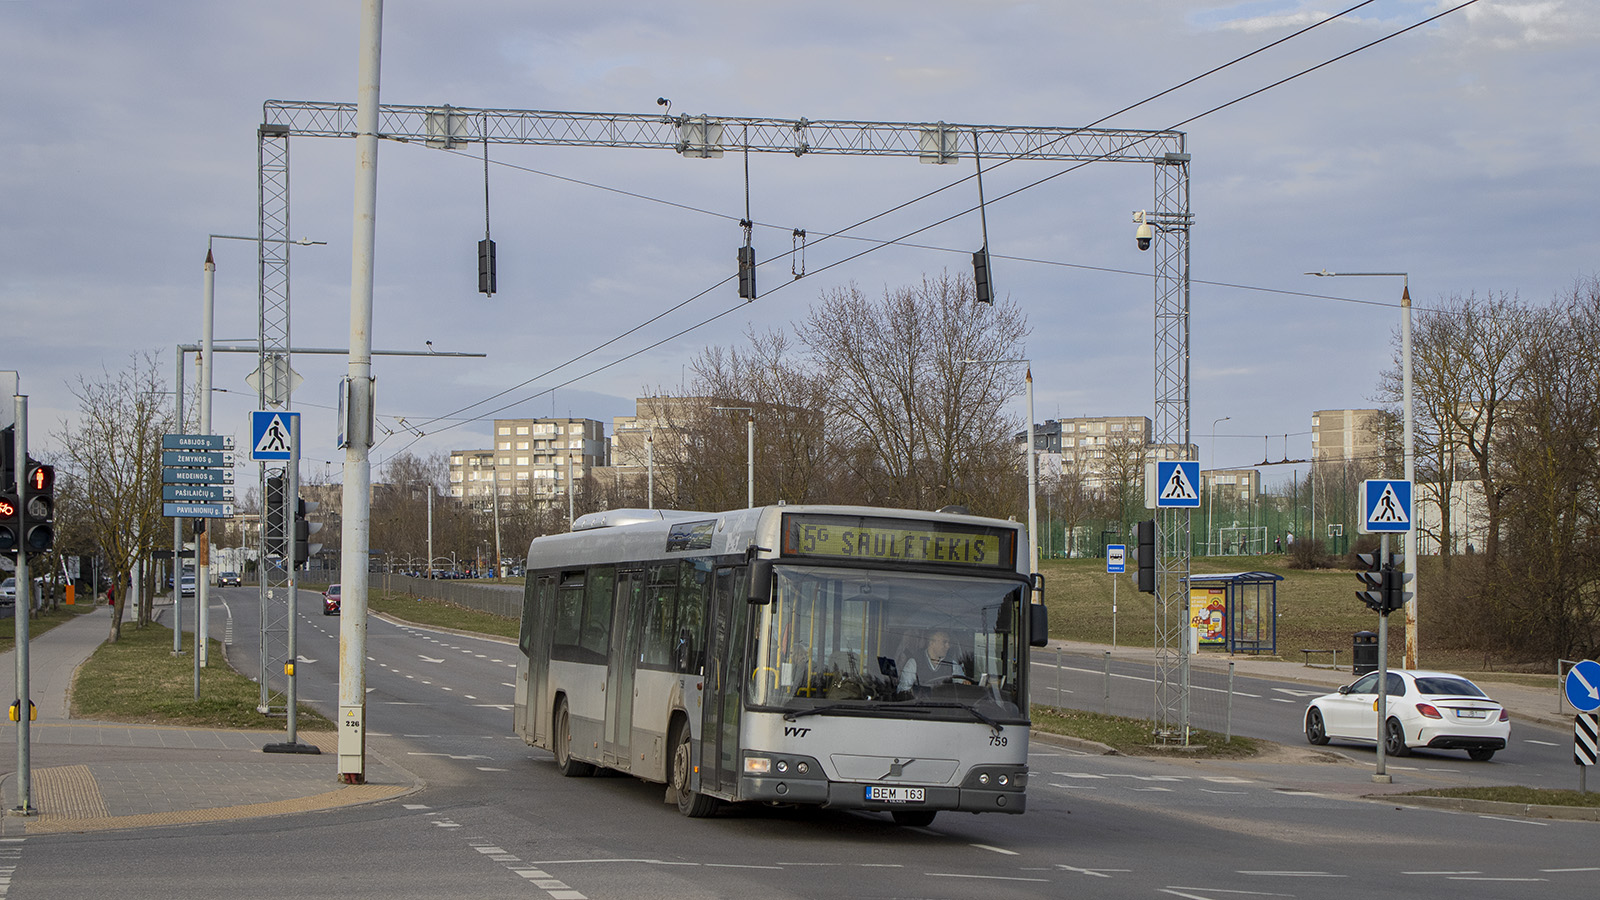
(765, 655)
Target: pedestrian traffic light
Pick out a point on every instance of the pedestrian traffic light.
(1372, 581)
(275, 532)
(1146, 531)
(980, 276)
(303, 530)
(747, 272)
(10, 522)
(39, 508)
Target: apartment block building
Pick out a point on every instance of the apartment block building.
(538, 458)
(1346, 435)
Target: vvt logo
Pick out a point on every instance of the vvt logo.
(795, 731)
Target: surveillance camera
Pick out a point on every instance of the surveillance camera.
(1143, 234)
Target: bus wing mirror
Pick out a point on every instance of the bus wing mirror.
(760, 581)
(1038, 625)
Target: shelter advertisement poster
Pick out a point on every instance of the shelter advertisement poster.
(1208, 614)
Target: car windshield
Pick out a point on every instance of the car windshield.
(1442, 685)
(860, 639)
(333, 590)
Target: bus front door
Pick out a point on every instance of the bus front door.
(725, 678)
(620, 659)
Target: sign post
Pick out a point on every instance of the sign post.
(1116, 564)
(1386, 510)
(1583, 692)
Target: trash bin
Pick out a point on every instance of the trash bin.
(1365, 652)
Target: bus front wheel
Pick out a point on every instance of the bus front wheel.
(568, 766)
(691, 803)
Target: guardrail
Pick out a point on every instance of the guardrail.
(497, 599)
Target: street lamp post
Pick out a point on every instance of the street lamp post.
(750, 451)
(1211, 498)
(1409, 444)
(1033, 491)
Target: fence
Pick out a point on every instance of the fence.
(1089, 681)
(498, 599)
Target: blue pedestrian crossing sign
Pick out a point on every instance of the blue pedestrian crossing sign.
(269, 434)
(1386, 506)
(1177, 485)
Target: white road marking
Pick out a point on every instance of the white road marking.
(994, 849)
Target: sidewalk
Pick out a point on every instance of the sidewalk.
(92, 776)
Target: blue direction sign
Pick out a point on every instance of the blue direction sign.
(1583, 686)
(269, 435)
(1386, 506)
(197, 442)
(1178, 485)
(1116, 558)
(198, 493)
(197, 476)
(198, 510)
(203, 458)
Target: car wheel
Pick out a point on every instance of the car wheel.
(1316, 729)
(568, 766)
(1394, 739)
(1480, 754)
(913, 818)
(691, 803)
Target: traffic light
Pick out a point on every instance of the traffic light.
(303, 530)
(39, 509)
(10, 521)
(486, 279)
(747, 272)
(1147, 555)
(1372, 581)
(275, 523)
(1395, 596)
(980, 276)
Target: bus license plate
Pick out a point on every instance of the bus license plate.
(894, 794)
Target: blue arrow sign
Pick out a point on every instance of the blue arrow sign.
(1116, 558)
(197, 476)
(1386, 506)
(197, 442)
(1583, 686)
(1177, 485)
(197, 510)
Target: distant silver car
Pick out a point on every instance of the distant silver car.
(228, 579)
(186, 586)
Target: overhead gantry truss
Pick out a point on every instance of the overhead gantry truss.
(705, 137)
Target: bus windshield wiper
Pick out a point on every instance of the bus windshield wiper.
(975, 713)
(793, 714)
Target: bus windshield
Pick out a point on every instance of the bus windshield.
(864, 638)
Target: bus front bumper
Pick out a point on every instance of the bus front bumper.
(853, 795)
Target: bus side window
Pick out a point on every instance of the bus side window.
(598, 597)
(694, 593)
(660, 616)
(569, 609)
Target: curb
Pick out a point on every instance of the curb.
(1494, 807)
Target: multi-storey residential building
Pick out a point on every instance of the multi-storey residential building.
(539, 458)
(1346, 434)
(1097, 448)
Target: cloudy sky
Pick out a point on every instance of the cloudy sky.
(1465, 152)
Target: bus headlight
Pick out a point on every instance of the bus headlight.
(757, 765)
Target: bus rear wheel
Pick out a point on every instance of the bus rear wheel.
(914, 817)
(568, 766)
(691, 803)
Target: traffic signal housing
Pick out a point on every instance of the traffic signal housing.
(1395, 596)
(39, 509)
(275, 522)
(747, 272)
(10, 521)
(980, 276)
(304, 529)
(1146, 533)
(1382, 582)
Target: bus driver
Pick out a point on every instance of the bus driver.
(934, 665)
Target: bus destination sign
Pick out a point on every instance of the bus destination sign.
(886, 540)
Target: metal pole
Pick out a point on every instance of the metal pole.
(1033, 505)
(202, 556)
(177, 522)
(24, 609)
(750, 461)
(495, 495)
(1105, 700)
(1381, 776)
(650, 456)
(1211, 496)
(1227, 733)
(1411, 539)
(357, 499)
(430, 532)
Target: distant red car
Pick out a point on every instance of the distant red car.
(330, 600)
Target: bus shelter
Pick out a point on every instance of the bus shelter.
(1236, 611)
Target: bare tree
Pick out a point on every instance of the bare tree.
(113, 454)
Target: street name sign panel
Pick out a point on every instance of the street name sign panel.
(1385, 506)
(197, 510)
(197, 442)
(209, 459)
(197, 476)
(198, 493)
(1583, 686)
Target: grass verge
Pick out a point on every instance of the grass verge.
(1136, 737)
(138, 680)
(440, 614)
(1514, 794)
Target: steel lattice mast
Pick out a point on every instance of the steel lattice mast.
(706, 136)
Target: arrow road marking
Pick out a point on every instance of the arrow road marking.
(429, 659)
